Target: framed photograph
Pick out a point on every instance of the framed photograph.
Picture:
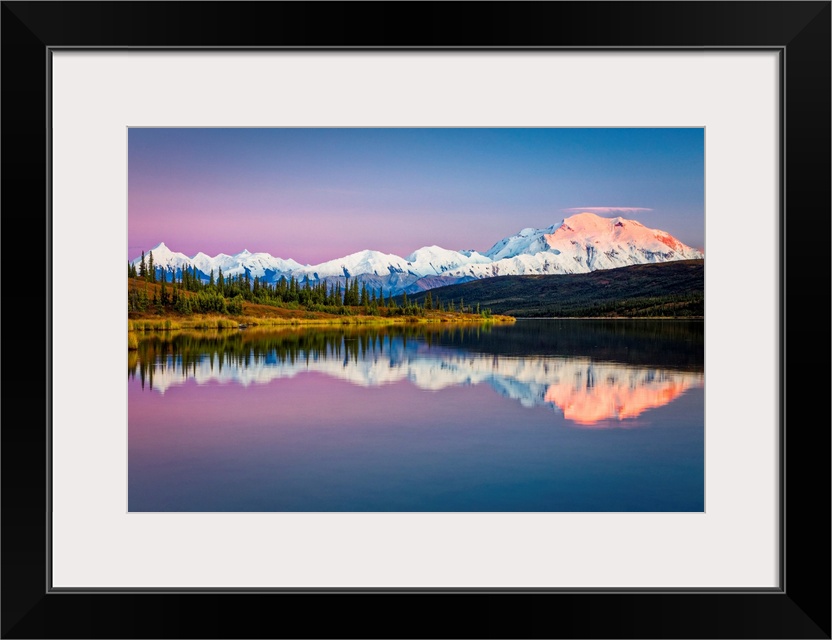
(346, 379)
(500, 310)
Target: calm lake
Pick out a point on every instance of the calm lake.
(542, 415)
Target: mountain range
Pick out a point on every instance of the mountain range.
(580, 243)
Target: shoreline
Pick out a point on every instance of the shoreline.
(518, 319)
(168, 323)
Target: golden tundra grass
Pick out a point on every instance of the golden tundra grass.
(153, 324)
(217, 322)
(207, 328)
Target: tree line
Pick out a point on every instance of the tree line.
(225, 294)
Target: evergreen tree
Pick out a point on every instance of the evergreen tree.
(151, 269)
(351, 295)
(428, 301)
(142, 267)
(293, 289)
(211, 281)
(164, 297)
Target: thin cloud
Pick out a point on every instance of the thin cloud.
(607, 210)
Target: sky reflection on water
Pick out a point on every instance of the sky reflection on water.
(395, 420)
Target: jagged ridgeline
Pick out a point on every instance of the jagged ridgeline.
(582, 243)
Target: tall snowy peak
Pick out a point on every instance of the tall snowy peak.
(588, 228)
(606, 235)
(581, 243)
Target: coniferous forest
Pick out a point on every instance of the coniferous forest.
(185, 292)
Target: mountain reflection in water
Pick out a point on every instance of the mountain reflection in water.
(513, 418)
(587, 391)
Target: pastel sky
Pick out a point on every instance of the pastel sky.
(318, 194)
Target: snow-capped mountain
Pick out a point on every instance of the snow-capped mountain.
(602, 242)
(257, 264)
(580, 243)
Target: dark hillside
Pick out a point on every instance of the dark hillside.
(668, 289)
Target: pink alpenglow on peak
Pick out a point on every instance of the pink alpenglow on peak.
(590, 228)
(581, 243)
(593, 242)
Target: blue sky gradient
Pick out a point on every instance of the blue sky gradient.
(318, 194)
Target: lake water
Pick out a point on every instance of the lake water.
(542, 415)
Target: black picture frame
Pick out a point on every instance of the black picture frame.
(799, 608)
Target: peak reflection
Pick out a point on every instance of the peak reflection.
(588, 392)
